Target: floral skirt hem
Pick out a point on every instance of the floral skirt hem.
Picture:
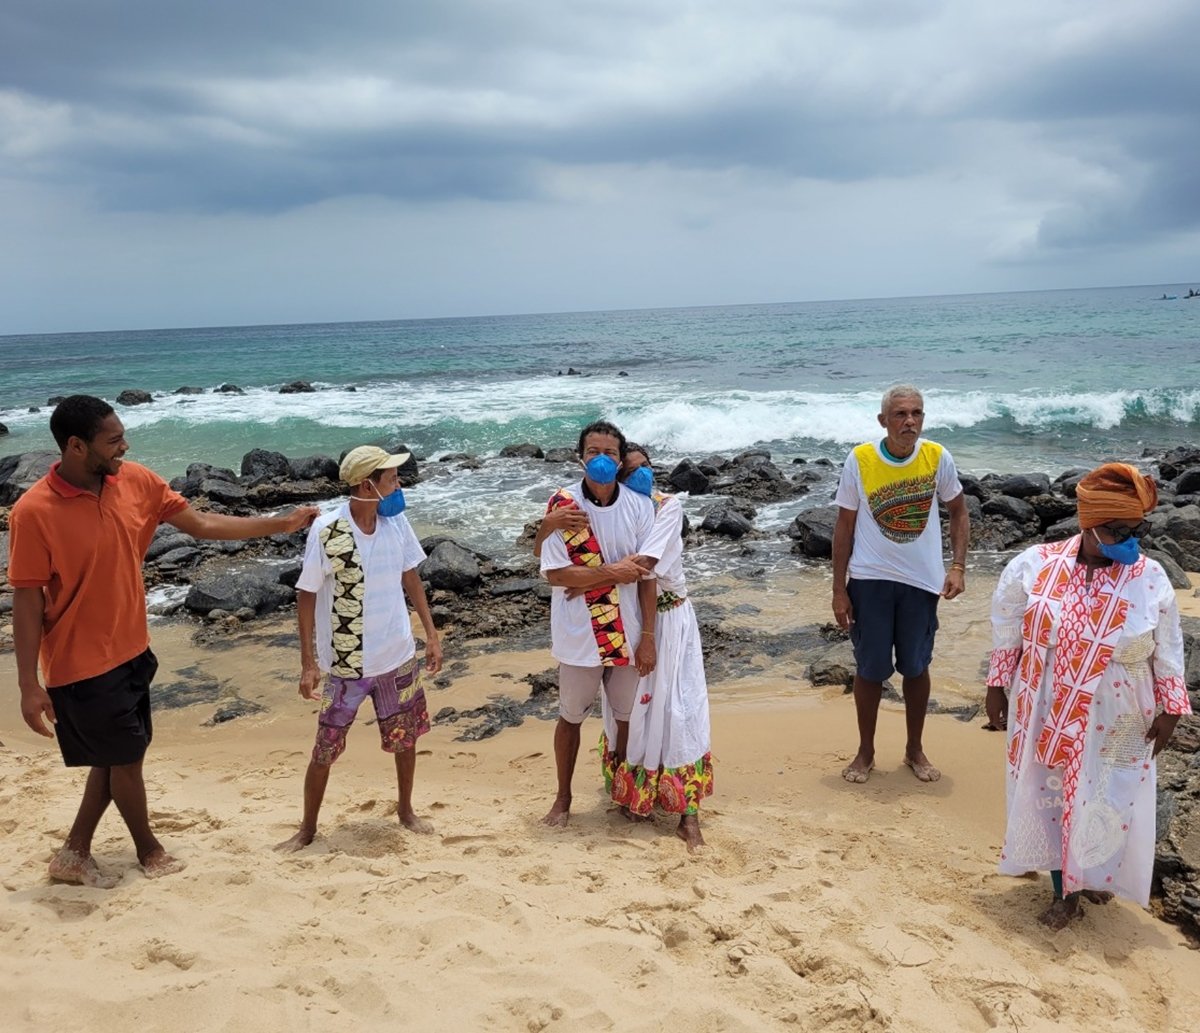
(675, 790)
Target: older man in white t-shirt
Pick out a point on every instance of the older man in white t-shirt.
(359, 577)
(596, 606)
(888, 538)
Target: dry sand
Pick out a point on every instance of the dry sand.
(817, 905)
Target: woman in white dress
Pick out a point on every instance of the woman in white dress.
(1086, 672)
(668, 761)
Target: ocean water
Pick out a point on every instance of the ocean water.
(1022, 381)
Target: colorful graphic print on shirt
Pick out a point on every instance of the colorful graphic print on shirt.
(900, 498)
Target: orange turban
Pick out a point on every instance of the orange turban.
(1114, 491)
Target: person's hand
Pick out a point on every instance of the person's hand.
(575, 593)
(565, 518)
(955, 583)
(310, 681)
(37, 709)
(433, 655)
(299, 518)
(843, 612)
(624, 572)
(996, 706)
(646, 655)
(1160, 731)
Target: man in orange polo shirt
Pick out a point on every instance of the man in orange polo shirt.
(77, 540)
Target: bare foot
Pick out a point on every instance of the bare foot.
(921, 767)
(559, 814)
(158, 863)
(1096, 896)
(689, 831)
(80, 870)
(859, 769)
(298, 842)
(414, 824)
(1060, 914)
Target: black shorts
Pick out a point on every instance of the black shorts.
(105, 721)
(890, 617)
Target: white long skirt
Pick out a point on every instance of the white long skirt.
(1110, 845)
(669, 733)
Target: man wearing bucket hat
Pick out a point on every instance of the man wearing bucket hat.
(358, 579)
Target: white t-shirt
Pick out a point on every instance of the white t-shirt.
(620, 529)
(897, 536)
(389, 552)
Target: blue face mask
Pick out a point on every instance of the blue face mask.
(390, 505)
(601, 469)
(641, 480)
(1123, 552)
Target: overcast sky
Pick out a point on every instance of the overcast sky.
(238, 162)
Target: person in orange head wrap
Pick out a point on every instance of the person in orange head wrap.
(1115, 492)
(1087, 673)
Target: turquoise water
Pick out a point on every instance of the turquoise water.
(1013, 381)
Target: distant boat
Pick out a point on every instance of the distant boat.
(1169, 297)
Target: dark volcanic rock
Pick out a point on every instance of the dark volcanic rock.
(451, 567)
(1188, 482)
(165, 539)
(813, 531)
(688, 477)
(180, 557)
(225, 492)
(726, 520)
(297, 387)
(1018, 485)
(188, 391)
(1063, 529)
(513, 585)
(560, 455)
(522, 451)
(1051, 509)
(1176, 460)
(972, 486)
(134, 396)
(1016, 510)
(1183, 524)
(20, 472)
(1187, 559)
(753, 476)
(230, 389)
(1175, 574)
(259, 462)
(3, 429)
(233, 592)
(197, 473)
(55, 399)
(311, 468)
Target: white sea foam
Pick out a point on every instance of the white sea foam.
(683, 419)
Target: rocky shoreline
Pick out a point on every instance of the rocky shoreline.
(487, 600)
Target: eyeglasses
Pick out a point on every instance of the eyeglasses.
(1123, 534)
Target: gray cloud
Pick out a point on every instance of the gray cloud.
(1054, 126)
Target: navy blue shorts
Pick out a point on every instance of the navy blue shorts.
(892, 618)
(103, 722)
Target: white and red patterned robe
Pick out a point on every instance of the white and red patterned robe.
(1087, 667)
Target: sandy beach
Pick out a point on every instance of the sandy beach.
(816, 906)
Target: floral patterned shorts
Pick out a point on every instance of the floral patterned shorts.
(399, 706)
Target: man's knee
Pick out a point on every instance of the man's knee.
(330, 744)
(578, 688)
